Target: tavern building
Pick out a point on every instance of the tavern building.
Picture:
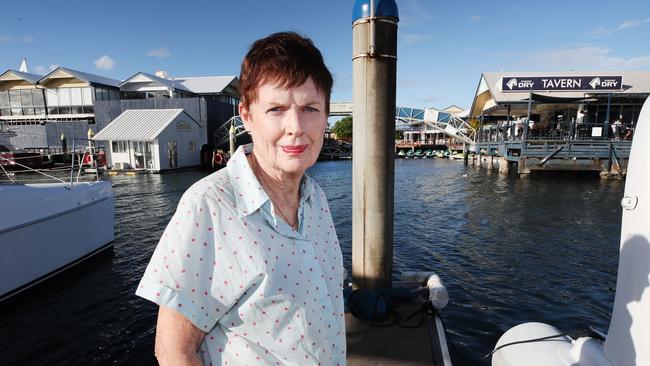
(581, 121)
(582, 97)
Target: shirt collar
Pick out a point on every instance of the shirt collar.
(249, 194)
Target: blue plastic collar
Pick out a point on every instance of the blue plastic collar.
(383, 8)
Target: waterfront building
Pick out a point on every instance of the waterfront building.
(581, 121)
(153, 139)
(428, 129)
(209, 100)
(64, 104)
(42, 108)
(453, 109)
(147, 86)
(590, 99)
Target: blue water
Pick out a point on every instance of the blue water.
(510, 251)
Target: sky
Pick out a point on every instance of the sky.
(443, 46)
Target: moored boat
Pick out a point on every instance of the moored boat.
(46, 228)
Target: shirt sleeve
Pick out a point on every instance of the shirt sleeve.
(182, 274)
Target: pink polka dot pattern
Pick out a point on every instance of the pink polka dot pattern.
(262, 292)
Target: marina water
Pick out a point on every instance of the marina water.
(510, 251)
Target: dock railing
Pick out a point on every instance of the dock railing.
(557, 131)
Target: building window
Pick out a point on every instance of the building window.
(119, 146)
(138, 147)
(67, 100)
(4, 99)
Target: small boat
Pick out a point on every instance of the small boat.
(418, 153)
(428, 154)
(456, 156)
(401, 154)
(46, 228)
(14, 157)
(410, 154)
(440, 154)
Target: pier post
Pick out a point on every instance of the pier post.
(490, 162)
(465, 153)
(374, 67)
(522, 169)
(504, 167)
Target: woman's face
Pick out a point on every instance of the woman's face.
(287, 127)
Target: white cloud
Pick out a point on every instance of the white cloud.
(629, 24)
(160, 52)
(40, 69)
(28, 39)
(412, 12)
(600, 32)
(585, 58)
(413, 37)
(104, 63)
(428, 99)
(475, 18)
(408, 83)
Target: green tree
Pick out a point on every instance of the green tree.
(343, 128)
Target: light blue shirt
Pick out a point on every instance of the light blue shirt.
(262, 292)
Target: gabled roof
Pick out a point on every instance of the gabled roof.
(30, 78)
(90, 78)
(145, 77)
(453, 109)
(210, 84)
(140, 124)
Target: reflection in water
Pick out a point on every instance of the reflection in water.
(509, 250)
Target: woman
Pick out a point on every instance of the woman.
(249, 269)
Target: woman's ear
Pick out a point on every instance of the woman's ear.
(245, 115)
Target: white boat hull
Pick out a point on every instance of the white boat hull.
(46, 228)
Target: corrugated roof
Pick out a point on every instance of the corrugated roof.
(172, 84)
(208, 84)
(91, 78)
(637, 82)
(30, 78)
(139, 124)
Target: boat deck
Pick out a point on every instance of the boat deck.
(368, 344)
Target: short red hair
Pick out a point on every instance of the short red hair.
(286, 58)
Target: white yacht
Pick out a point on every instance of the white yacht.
(48, 227)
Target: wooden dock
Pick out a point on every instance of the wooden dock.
(606, 157)
(368, 343)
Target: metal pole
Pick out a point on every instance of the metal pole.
(606, 121)
(524, 137)
(231, 137)
(373, 172)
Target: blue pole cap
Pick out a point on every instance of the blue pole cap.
(383, 8)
